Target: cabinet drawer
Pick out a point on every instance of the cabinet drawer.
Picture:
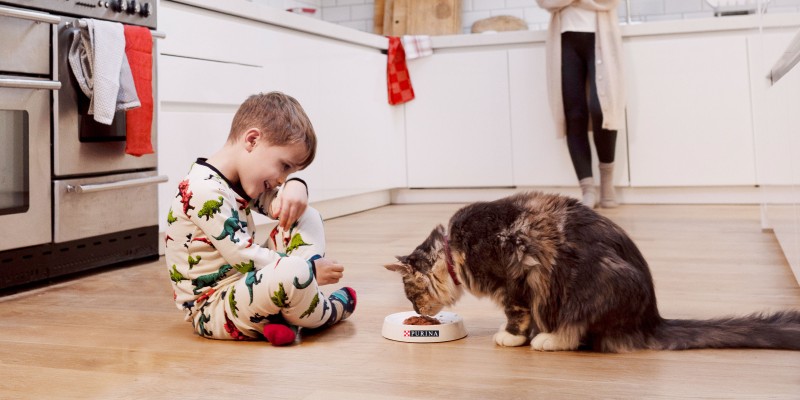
(128, 204)
(24, 46)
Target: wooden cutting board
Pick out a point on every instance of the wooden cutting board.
(377, 20)
(420, 17)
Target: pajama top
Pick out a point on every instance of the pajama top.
(209, 237)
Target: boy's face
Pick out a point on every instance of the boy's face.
(266, 166)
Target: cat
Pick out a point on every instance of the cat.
(567, 278)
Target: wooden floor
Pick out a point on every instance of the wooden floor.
(117, 334)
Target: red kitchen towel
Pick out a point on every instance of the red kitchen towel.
(400, 90)
(139, 49)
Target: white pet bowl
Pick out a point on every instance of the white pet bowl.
(451, 328)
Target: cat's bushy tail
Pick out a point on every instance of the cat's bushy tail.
(780, 330)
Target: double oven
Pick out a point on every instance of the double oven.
(71, 199)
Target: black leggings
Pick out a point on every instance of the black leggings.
(578, 68)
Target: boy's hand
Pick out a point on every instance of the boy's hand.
(291, 204)
(328, 271)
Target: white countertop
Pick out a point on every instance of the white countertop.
(302, 23)
(671, 27)
(285, 19)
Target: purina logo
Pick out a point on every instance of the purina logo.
(419, 333)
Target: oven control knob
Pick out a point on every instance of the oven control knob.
(134, 7)
(119, 5)
(146, 10)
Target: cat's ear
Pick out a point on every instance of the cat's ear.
(440, 228)
(400, 266)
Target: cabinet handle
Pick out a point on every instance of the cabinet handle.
(29, 15)
(117, 185)
(790, 58)
(29, 84)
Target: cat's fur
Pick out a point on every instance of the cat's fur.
(566, 278)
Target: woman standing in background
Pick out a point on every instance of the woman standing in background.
(584, 46)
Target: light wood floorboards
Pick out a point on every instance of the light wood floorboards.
(116, 334)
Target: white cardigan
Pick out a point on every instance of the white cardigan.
(608, 58)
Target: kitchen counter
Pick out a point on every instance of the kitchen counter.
(673, 27)
(285, 19)
(278, 17)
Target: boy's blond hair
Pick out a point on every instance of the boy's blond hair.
(281, 120)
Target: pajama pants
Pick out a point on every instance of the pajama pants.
(284, 292)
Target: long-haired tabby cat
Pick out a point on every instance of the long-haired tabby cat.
(566, 278)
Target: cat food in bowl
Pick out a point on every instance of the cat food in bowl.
(414, 328)
(421, 320)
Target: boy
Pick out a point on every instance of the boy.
(230, 287)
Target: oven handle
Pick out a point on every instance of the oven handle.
(30, 15)
(117, 185)
(29, 84)
(155, 34)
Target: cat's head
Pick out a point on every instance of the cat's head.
(427, 282)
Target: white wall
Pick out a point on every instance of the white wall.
(357, 14)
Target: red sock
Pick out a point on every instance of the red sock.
(278, 334)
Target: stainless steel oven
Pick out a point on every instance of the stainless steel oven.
(25, 86)
(70, 198)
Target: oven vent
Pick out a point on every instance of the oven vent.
(36, 264)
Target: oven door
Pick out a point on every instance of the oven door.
(82, 146)
(25, 96)
(25, 208)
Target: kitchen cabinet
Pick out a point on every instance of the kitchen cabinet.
(342, 87)
(458, 128)
(778, 142)
(214, 61)
(198, 33)
(540, 155)
(689, 116)
(771, 110)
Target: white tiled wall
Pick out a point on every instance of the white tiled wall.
(358, 14)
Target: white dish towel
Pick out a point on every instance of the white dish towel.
(417, 46)
(97, 59)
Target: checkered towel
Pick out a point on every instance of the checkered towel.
(397, 78)
(417, 46)
(138, 122)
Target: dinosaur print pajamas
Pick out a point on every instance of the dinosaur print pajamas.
(228, 285)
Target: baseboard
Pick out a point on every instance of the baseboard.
(625, 195)
(337, 207)
(333, 208)
(330, 208)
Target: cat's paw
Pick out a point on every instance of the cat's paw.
(505, 339)
(549, 342)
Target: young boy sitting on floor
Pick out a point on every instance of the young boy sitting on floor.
(229, 286)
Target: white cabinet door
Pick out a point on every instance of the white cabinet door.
(689, 116)
(458, 128)
(342, 87)
(778, 142)
(541, 157)
(775, 125)
(198, 33)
